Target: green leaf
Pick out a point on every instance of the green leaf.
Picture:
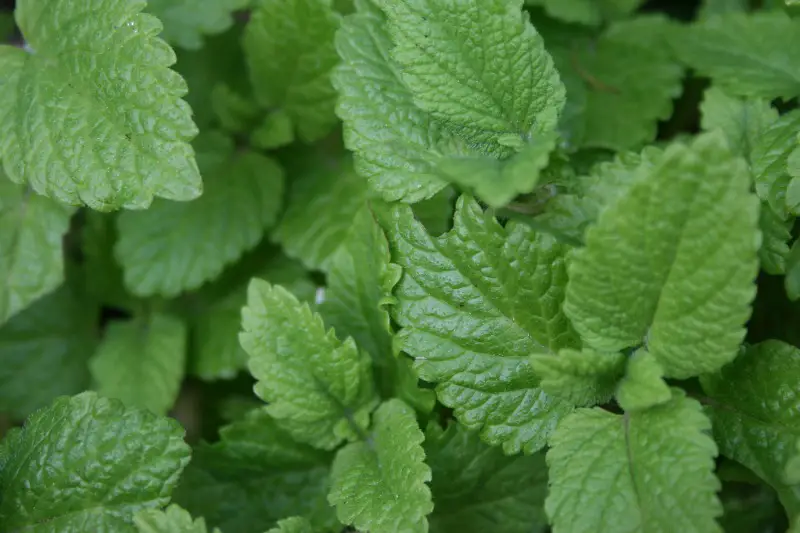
(290, 54)
(397, 157)
(746, 54)
(472, 80)
(97, 114)
(334, 193)
(591, 12)
(141, 361)
(45, 350)
(215, 328)
(318, 388)
(643, 385)
(474, 304)
(649, 471)
(478, 489)
(688, 220)
(242, 200)
(753, 405)
(743, 121)
(254, 476)
(173, 519)
(380, 485)
(128, 460)
(295, 524)
(31, 256)
(102, 275)
(499, 182)
(274, 132)
(710, 8)
(792, 279)
(436, 213)
(186, 21)
(619, 85)
(582, 378)
(775, 236)
(770, 160)
(236, 112)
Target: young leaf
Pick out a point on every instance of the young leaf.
(478, 488)
(128, 460)
(45, 350)
(743, 121)
(746, 54)
(643, 385)
(31, 257)
(479, 67)
(397, 157)
(379, 485)
(647, 471)
(591, 12)
(295, 524)
(186, 21)
(256, 475)
(334, 193)
(173, 519)
(290, 54)
(474, 304)
(318, 388)
(770, 159)
(242, 200)
(583, 378)
(753, 407)
(94, 114)
(141, 362)
(688, 220)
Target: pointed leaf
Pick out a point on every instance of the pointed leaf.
(582, 378)
(173, 519)
(643, 385)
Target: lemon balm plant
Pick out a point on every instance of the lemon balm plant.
(399, 266)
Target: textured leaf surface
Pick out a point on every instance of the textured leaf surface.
(650, 471)
(397, 156)
(334, 193)
(380, 485)
(746, 54)
(97, 114)
(290, 54)
(242, 199)
(44, 352)
(620, 84)
(477, 488)
(474, 304)
(479, 67)
(173, 519)
(643, 385)
(294, 524)
(318, 388)
(31, 256)
(691, 221)
(754, 409)
(141, 362)
(128, 460)
(770, 162)
(254, 476)
(582, 378)
(187, 21)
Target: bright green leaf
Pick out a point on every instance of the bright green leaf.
(474, 304)
(471, 79)
(45, 350)
(97, 114)
(587, 11)
(643, 385)
(478, 489)
(295, 524)
(397, 157)
(173, 519)
(317, 387)
(242, 200)
(141, 361)
(745, 54)
(127, 459)
(380, 485)
(770, 159)
(31, 256)
(186, 21)
(753, 404)
(650, 471)
(646, 274)
(583, 378)
(290, 54)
